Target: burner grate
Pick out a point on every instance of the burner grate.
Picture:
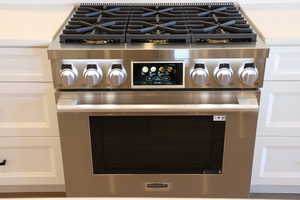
(158, 29)
(167, 23)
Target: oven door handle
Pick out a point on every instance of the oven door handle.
(246, 103)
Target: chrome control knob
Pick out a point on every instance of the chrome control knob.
(248, 74)
(223, 74)
(68, 75)
(92, 75)
(199, 74)
(117, 75)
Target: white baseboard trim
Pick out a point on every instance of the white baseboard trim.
(275, 189)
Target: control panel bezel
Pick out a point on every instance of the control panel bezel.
(157, 86)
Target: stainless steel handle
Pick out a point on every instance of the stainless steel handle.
(245, 103)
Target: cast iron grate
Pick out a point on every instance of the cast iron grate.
(157, 23)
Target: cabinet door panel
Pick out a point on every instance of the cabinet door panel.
(280, 109)
(24, 64)
(27, 109)
(283, 64)
(276, 161)
(30, 161)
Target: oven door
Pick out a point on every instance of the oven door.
(157, 143)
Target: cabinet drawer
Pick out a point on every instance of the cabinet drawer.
(283, 64)
(279, 110)
(27, 109)
(30, 161)
(276, 161)
(24, 64)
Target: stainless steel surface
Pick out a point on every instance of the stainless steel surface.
(169, 102)
(196, 96)
(211, 64)
(199, 76)
(129, 51)
(126, 53)
(238, 150)
(156, 51)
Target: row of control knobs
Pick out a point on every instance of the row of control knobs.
(93, 75)
(199, 74)
(223, 74)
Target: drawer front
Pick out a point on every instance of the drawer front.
(276, 161)
(279, 113)
(30, 161)
(27, 109)
(283, 64)
(24, 64)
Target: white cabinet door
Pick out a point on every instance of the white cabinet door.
(24, 64)
(30, 161)
(283, 64)
(277, 161)
(27, 109)
(279, 113)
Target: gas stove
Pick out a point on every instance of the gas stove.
(134, 46)
(161, 23)
(158, 100)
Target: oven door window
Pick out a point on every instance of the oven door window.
(157, 144)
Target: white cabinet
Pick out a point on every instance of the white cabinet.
(277, 161)
(27, 109)
(30, 161)
(283, 64)
(29, 137)
(280, 109)
(24, 64)
(276, 166)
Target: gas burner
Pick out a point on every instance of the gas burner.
(108, 29)
(220, 29)
(164, 11)
(170, 23)
(210, 11)
(95, 12)
(157, 30)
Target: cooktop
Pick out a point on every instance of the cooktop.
(157, 23)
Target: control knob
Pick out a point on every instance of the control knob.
(223, 74)
(68, 74)
(117, 75)
(248, 74)
(199, 74)
(92, 75)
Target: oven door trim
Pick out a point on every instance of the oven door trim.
(69, 103)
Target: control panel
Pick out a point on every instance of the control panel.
(157, 74)
(126, 74)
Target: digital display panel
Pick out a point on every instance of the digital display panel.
(159, 73)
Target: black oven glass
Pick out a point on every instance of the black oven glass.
(157, 144)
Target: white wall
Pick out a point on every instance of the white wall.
(141, 1)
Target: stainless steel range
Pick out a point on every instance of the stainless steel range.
(158, 99)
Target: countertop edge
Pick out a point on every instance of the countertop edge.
(24, 43)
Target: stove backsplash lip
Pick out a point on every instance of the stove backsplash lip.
(55, 51)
